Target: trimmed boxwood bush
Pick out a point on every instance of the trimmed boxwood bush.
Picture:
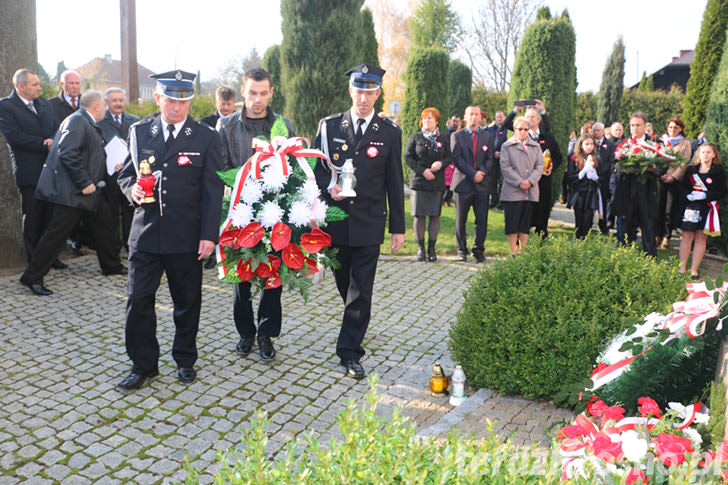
(533, 323)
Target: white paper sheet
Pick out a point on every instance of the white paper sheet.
(116, 153)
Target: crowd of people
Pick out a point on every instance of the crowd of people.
(68, 189)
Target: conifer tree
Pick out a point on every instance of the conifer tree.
(545, 69)
(272, 63)
(369, 47)
(610, 91)
(319, 45)
(705, 65)
(460, 81)
(435, 23)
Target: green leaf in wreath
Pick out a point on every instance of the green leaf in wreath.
(334, 214)
(709, 284)
(279, 128)
(228, 176)
(626, 346)
(231, 277)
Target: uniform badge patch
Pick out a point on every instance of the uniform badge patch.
(183, 160)
(372, 152)
(336, 156)
(344, 147)
(188, 131)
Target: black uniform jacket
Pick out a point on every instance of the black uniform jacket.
(188, 192)
(76, 160)
(377, 159)
(24, 133)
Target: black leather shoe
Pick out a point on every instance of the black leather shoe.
(58, 264)
(353, 368)
(210, 262)
(121, 271)
(186, 375)
(135, 381)
(245, 345)
(266, 349)
(36, 288)
(479, 257)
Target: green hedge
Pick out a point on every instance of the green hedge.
(531, 324)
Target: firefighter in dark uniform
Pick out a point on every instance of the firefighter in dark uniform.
(375, 146)
(176, 232)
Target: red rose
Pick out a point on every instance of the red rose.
(614, 412)
(671, 449)
(636, 150)
(607, 449)
(597, 408)
(635, 476)
(649, 406)
(280, 236)
(293, 256)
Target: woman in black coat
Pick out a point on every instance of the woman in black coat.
(427, 154)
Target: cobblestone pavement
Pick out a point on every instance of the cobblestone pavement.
(62, 421)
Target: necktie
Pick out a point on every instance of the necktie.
(475, 147)
(31, 107)
(73, 103)
(170, 137)
(118, 119)
(359, 132)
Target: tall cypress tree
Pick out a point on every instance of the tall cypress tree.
(272, 63)
(705, 65)
(460, 82)
(425, 86)
(369, 48)
(435, 24)
(545, 69)
(610, 91)
(319, 45)
(716, 126)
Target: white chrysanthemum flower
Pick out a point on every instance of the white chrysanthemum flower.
(242, 215)
(273, 178)
(299, 214)
(633, 446)
(269, 214)
(318, 211)
(252, 191)
(310, 190)
(694, 437)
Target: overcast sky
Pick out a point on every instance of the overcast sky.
(193, 35)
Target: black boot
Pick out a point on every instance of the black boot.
(431, 256)
(421, 250)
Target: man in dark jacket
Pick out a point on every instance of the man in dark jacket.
(225, 104)
(28, 123)
(67, 101)
(499, 134)
(236, 133)
(173, 234)
(116, 123)
(375, 146)
(472, 155)
(69, 180)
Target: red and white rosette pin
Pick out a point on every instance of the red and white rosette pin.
(183, 160)
(372, 152)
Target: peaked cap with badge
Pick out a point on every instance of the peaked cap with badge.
(176, 84)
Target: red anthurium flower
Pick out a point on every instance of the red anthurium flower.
(250, 236)
(649, 406)
(245, 271)
(671, 449)
(315, 241)
(293, 256)
(312, 267)
(229, 237)
(273, 282)
(280, 236)
(635, 476)
(267, 270)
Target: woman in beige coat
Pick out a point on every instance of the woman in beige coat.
(522, 164)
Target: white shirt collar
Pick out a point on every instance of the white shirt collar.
(533, 133)
(69, 99)
(367, 120)
(177, 127)
(25, 101)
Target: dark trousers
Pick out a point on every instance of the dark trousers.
(269, 311)
(478, 200)
(583, 219)
(36, 217)
(638, 208)
(119, 207)
(184, 275)
(355, 281)
(62, 222)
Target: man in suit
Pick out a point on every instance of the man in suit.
(499, 134)
(70, 180)
(173, 234)
(67, 100)
(225, 104)
(374, 145)
(237, 132)
(28, 124)
(604, 169)
(472, 155)
(116, 123)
